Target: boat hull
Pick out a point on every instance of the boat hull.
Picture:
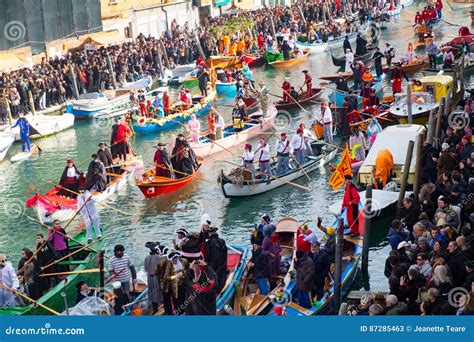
(226, 89)
(302, 101)
(420, 115)
(6, 141)
(230, 189)
(290, 62)
(321, 47)
(158, 189)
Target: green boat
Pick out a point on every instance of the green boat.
(54, 299)
(189, 82)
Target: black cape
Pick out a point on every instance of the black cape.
(96, 178)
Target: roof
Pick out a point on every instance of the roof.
(11, 61)
(395, 139)
(436, 79)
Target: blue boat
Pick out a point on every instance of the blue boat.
(337, 96)
(142, 125)
(226, 89)
(237, 256)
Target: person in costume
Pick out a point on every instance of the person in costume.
(172, 275)
(24, 133)
(96, 177)
(202, 285)
(396, 78)
(121, 141)
(113, 137)
(263, 97)
(152, 261)
(70, 180)
(308, 80)
(164, 168)
(286, 86)
(194, 127)
(284, 148)
(215, 255)
(350, 203)
(177, 154)
(89, 214)
(106, 158)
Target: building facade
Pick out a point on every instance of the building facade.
(34, 23)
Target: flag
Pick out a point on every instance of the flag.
(344, 168)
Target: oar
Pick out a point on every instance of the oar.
(77, 212)
(181, 173)
(269, 175)
(271, 127)
(101, 203)
(32, 256)
(73, 253)
(92, 270)
(54, 312)
(50, 228)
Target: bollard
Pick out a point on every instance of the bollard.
(111, 71)
(439, 121)
(431, 127)
(368, 212)
(72, 74)
(338, 263)
(409, 106)
(418, 162)
(32, 102)
(405, 174)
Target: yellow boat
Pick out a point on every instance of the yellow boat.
(423, 102)
(222, 61)
(290, 62)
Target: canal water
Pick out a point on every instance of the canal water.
(157, 219)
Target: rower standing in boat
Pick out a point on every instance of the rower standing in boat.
(262, 94)
(373, 103)
(46, 256)
(349, 60)
(203, 287)
(186, 164)
(298, 146)
(247, 158)
(264, 158)
(357, 144)
(357, 70)
(285, 49)
(389, 53)
(219, 125)
(121, 141)
(361, 45)
(24, 132)
(142, 103)
(8, 278)
(194, 128)
(215, 255)
(203, 78)
(89, 214)
(327, 122)
(308, 81)
(396, 78)
(237, 118)
(70, 179)
(341, 83)
(377, 57)
(284, 148)
(346, 45)
(151, 263)
(210, 121)
(113, 138)
(286, 86)
(365, 92)
(105, 157)
(121, 266)
(182, 145)
(350, 202)
(162, 161)
(96, 177)
(166, 102)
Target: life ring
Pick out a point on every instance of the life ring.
(150, 191)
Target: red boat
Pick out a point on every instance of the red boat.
(253, 59)
(463, 34)
(153, 186)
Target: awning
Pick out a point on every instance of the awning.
(221, 2)
(99, 39)
(10, 61)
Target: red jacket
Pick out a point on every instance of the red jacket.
(439, 5)
(122, 133)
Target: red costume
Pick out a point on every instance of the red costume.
(351, 204)
(286, 86)
(418, 19)
(122, 133)
(184, 99)
(354, 116)
(160, 162)
(301, 244)
(397, 74)
(261, 41)
(166, 103)
(308, 81)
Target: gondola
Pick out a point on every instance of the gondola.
(240, 183)
(341, 61)
(283, 63)
(65, 291)
(303, 99)
(153, 186)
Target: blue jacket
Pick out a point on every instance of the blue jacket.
(395, 238)
(24, 126)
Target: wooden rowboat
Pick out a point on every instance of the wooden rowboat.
(239, 183)
(415, 66)
(222, 61)
(254, 59)
(251, 301)
(52, 205)
(341, 61)
(153, 186)
(81, 261)
(303, 99)
(292, 61)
